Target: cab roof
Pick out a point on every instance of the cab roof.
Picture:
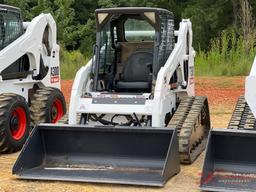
(133, 10)
(9, 8)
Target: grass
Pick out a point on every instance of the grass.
(71, 62)
(229, 55)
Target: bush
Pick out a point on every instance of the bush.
(229, 55)
(70, 63)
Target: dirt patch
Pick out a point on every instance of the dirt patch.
(220, 82)
(220, 90)
(222, 94)
(66, 86)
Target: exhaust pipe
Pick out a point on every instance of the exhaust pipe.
(133, 155)
(230, 161)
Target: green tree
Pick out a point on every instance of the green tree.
(76, 18)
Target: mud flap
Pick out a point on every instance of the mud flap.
(230, 162)
(139, 156)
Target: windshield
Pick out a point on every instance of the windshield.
(138, 30)
(10, 28)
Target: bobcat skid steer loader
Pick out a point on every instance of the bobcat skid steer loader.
(138, 116)
(29, 76)
(230, 162)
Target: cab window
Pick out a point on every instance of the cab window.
(10, 28)
(138, 30)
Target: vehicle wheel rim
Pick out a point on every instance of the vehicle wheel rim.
(56, 111)
(18, 123)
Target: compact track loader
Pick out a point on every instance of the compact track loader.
(29, 76)
(230, 162)
(134, 103)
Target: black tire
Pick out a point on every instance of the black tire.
(43, 106)
(14, 122)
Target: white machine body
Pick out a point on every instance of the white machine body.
(31, 44)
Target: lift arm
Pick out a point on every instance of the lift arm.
(183, 52)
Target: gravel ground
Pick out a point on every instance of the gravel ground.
(222, 94)
(186, 181)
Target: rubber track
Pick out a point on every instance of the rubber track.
(187, 119)
(242, 117)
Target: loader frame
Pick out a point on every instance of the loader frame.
(134, 130)
(162, 101)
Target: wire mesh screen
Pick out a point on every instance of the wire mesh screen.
(10, 27)
(167, 38)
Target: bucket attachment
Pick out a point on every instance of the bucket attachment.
(139, 156)
(230, 162)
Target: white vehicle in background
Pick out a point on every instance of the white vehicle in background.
(29, 76)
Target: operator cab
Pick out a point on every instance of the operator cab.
(11, 28)
(132, 45)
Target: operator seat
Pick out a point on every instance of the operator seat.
(137, 73)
